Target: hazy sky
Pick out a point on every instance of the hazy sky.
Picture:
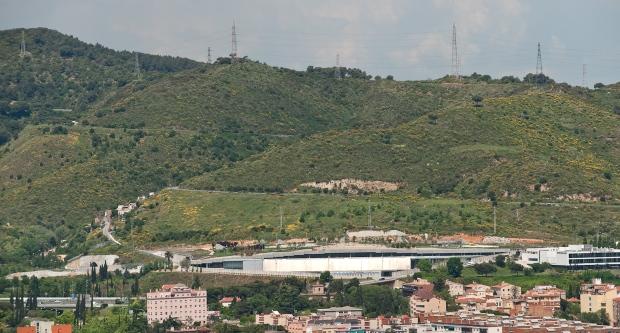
(409, 39)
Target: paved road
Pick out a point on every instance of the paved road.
(106, 232)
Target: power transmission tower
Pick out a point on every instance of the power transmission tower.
(208, 55)
(137, 69)
(22, 46)
(583, 76)
(337, 69)
(233, 52)
(455, 55)
(539, 68)
(281, 218)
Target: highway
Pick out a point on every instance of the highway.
(69, 302)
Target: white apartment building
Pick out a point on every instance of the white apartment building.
(177, 301)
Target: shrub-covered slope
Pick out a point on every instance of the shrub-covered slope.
(534, 144)
(61, 72)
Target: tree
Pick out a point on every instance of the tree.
(185, 263)
(514, 267)
(477, 99)
(537, 79)
(135, 287)
(500, 261)
(599, 317)
(425, 265)
(168, 255)
(485, 268)
(326, 277)
(196, 282)
(455, 267)
(599, 85)
(389, 77)
(617, 109)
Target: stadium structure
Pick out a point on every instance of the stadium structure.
(345, 261)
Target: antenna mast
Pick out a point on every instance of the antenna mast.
(22, 46)
(208, 55)
(455, 56)
(138, 73)
(539, 68)
(233, 53)
(337, 69)
(583, 76)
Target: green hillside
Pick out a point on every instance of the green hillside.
(61, 72)
(175, 216)
(53, 184)
(252, 127)
(256, 98)
(537, 139)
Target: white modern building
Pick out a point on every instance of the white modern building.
(344, 262)
(573, 256)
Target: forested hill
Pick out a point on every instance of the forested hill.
(62, 72)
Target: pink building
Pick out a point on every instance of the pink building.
(177, 301)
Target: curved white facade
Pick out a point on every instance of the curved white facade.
(337, 264)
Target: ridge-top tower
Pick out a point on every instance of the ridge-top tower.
(22, 46)
(455, 55)
(337, 69)
(539, 68)
(137, 68)
(233, 49)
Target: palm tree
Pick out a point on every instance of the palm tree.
(168, 255)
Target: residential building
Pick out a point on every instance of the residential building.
(177, 301)
(506, 291)
(471, 303)
(42, 325)
(598, 296)
(26, 329)
(62, 328)
(124, 209)
(488, 323)
(45, 326)
(583, 256)
(417, 287)
(274, 318)
(317, 289)
(345, 311)
(455, 288)
(543, 301)
(478, 290)
(427, 304)
(227, 301)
